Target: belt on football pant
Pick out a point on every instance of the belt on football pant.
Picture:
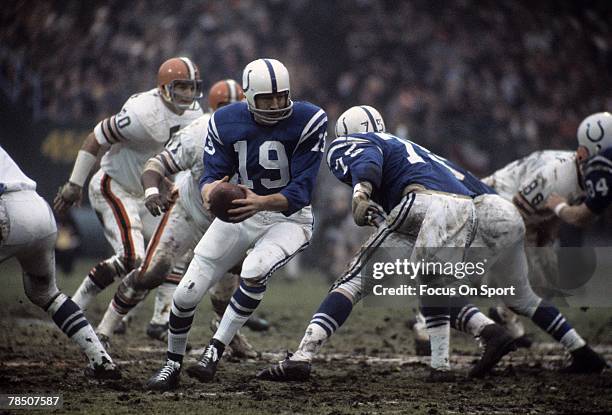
(420, 189)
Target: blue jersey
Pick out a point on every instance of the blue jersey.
(597, 174)
(282, 158)
(390, 164)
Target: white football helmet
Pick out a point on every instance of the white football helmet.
(266, 76)
(595, 132)
(360, 119)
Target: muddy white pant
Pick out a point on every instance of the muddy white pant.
(28, 233)
(271, 240)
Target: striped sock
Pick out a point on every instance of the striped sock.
(245, 300)
(550, 319)
(70, 319)
(332, 313)
(469, 319)
(180, 322)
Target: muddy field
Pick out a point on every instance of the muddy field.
(369, 367)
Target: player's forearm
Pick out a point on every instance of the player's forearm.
(275, 202)
(579, 215)
(151, 179)
(85, 161)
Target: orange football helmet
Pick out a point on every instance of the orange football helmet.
(178, 80)
(223, 93)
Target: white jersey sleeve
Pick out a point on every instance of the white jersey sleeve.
(185, 148)
(122, 127)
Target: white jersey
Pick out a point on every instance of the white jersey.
(11, 177)
(536, 177)
(137, 133)
(184, 152)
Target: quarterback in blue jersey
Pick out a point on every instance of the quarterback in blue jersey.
(275, 147)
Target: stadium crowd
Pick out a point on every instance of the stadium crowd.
(482, 83)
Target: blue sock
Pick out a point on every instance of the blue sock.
(332, 313)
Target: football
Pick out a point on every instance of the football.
(221, 198)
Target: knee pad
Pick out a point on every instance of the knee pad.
(155, 274)
(256, 268)
(40, 289)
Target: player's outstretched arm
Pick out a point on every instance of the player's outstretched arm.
(578, 215)
(71, 192)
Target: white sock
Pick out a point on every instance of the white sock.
(163, 303)
(90, 344)
(127, 319)
(67, 315)
(476, 323)
(311, 343)
(439, 338)
(572, 341)
(110, 321)
(86, 292)
(230, 323)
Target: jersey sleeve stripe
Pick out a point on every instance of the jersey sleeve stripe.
(108, 135)
(169, 163)
(112, 123)
(311, 122)
(212, 130)
(314, 130)
(333, 148)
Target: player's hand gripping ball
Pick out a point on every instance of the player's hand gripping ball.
(221, 198)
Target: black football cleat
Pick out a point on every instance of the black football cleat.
(286, 370)
(514, 326)
(158, 331)
(585, 360)
(106, 370)
(497, 343)
(165, 379)
(206, 367)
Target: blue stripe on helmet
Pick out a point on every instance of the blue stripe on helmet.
(371, 117)
(272, 75)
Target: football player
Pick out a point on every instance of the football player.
(139, 131)
(275, 145)
(594, 156)
(500, 229)
(183, 223)
(527, 183)
(429, 204)
(28, 233)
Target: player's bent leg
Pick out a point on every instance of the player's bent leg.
(118, 210)
(43, 292)
(494, 340)
(278, 244)
(220, 296)
(220, 248)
